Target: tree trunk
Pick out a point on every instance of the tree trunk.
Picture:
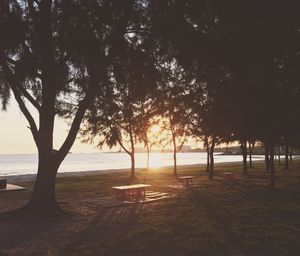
(148, 158)
(174, 153)
(43, 198)
(207, 159)
(267, 159)
(286, 156)
(244, 153)
(147, 149)
(291, 155)
(212, 165)
(272, 166)
(278, 151)
(132, 158)
(250, 155)
(207, 155)
(132, 153)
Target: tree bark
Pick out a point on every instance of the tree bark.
(212, 164)
(286, 156)
(272, 166)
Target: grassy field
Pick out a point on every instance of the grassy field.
(240, 217)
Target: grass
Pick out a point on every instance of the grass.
(242, 217)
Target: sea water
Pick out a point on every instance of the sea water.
(27, 164)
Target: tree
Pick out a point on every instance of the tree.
(261, 42)
(55, 55)
(251, 145)
(121, 115)
(146, 134)
(175, 112)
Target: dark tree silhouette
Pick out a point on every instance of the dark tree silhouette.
(55, 55)
(121, 114)
(257, 47)
(175, 111)
(146, 120)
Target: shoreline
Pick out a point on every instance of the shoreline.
(76, 170)
(31, 177)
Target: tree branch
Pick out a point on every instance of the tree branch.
(66, 146)
(32, 11)
(121, 126)
(122, 146)
(28, 96)
(182, 143)
(11, 61)
(15, 88)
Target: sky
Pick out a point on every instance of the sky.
(16, 138)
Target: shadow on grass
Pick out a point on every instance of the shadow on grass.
(235, 244)
(102, 227)
(19, 230)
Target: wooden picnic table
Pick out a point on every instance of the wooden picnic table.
(187, 180)
(128, 192)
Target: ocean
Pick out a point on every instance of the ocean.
(27, 164)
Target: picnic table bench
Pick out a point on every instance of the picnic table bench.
(5, 187)
(187, 180)
(3, 183)
(129, 192)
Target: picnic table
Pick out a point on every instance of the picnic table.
(187, 180)
(128, 192)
